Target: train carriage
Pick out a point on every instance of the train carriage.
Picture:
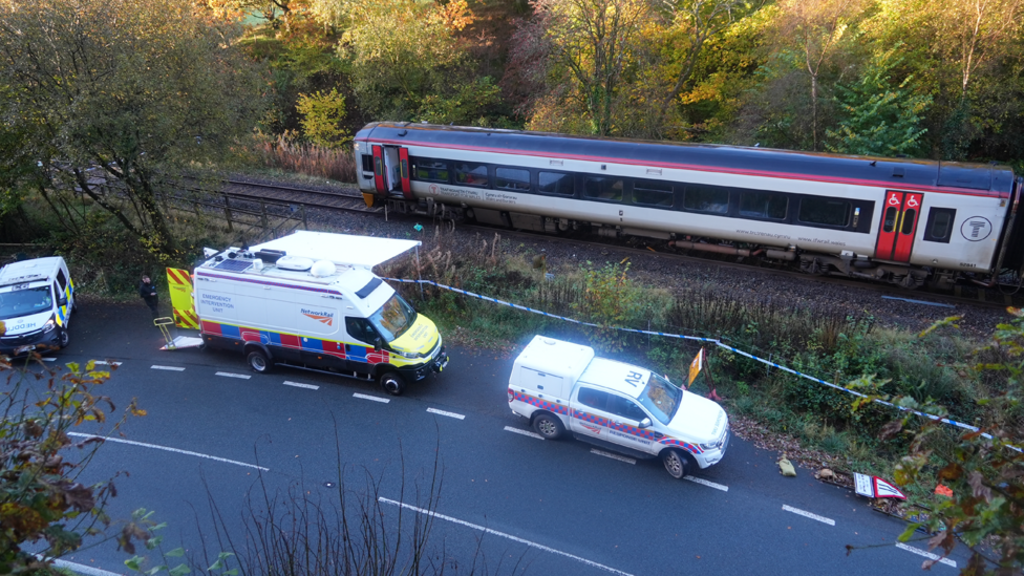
(902, 221)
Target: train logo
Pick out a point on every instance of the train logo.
(976, 228)
(433, 188)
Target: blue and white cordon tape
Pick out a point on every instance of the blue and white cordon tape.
(697, 339)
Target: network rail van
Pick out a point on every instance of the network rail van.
(36, 300)
(311, 300)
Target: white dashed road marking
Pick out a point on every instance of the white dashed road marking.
(486, 530)
(613, 456)
(171, 368)
(301, 385)
(928, 555)
(233, 375)
(372, 398)
(810, 515)
(524, 432)
(80, 568)
(707, 483)
(105, 363)
(448, 414)
(50, 359)
(168, 449)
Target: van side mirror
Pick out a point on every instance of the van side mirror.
(63, 301)
(378, 343)
(645, 423)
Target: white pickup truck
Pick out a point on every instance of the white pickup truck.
(562, 386)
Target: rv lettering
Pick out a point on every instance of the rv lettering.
(634, 378)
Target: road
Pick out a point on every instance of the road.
(217, 437)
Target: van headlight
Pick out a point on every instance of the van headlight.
(409, 355)
(50, 325)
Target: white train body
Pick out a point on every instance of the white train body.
(902, 221)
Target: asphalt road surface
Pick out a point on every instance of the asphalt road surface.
(221, 441)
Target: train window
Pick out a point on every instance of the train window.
(472, 174)
(367, 163)
(652, 193)
(711, 199)
(429, 169)
(556, 183)
(763, 205)
(889, 224)
(603, 188)
(909, 218)
(512, 179)
(824, 212)
(940, 224)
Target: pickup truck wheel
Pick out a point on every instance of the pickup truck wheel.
(392, 383)
(548, 426)
(259, 362)
(676, 463)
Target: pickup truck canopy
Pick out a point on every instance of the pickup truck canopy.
(342, 249)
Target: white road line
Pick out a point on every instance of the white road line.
(613, 456)
(81, 568)
(448, 414)
(486, 530)
(171, 368)
(158, 447)
(105, 363)
(372, 398)
(524, 432)
(49, 359)
(928, 555)
(707, 483)
(807, 514)
(233, 375)
(301, 385)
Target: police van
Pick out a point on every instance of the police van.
(311, 300)
(36, 300)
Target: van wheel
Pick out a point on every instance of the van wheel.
(259, 362)
(392, 383)
(62, 338)
(548, 426)
(676, 463)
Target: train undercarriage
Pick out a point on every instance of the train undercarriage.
(817, 264)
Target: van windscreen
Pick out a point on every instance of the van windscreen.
(25, 302)
(394, 318)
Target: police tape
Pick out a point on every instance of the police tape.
(714, 341)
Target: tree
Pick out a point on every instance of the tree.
(402, 51)
(594, 41)
(322, 115)
(880, 118)
(815, 29)
(964, 52)
(41, 497)
(982, 468)
(132, 89)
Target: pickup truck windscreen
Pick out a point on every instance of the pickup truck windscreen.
(393, 318)
(661, 398)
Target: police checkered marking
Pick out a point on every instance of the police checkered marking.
(700, 339)
(539, 403)
(684, 445)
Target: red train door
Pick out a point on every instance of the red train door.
(378, 170)
(899, 223)
(403, 171)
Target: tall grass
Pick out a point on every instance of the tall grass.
(308, 159)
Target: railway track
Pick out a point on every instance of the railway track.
(351, 200)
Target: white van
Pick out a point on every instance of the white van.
(310, 300)
(36, 300)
